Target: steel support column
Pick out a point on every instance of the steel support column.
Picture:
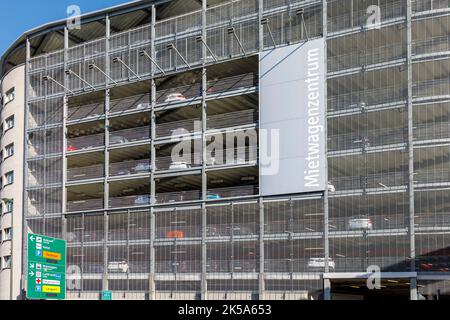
(105, 284)
(204, 289)
(327, 285)
(410, 137)
(152, 286)
(262, 286)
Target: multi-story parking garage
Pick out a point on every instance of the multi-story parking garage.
(108, 103)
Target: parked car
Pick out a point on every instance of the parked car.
(213, 196)
(142, 200)
(71, 148)
(331, 187)
(118, 266)
(117, 140)
(319, 263)
(142, 167)
(175, 97)
(175, 234)
(179, 165)
(360, 223)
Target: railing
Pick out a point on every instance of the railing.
(185, 266)
(129, 135)
(432, 131)
(243, 81)
(432, 219)
(130, 167)
(237, 156)
(85, 235)
(335, 264)
(379, 137)
(178, 232)
(432, 176)
(368, 97)
(294, 226)
(232, 119)
(372, 56)
(235, 229)
(379, 222)
(220, 121)
(129, 103)
(427, 5)
(358, 18)
(349, 264)
(232, 192)
(86, 142)
(433, 45)
(178, 127)
(84, 173)
(87, 111)
(120, 202)
(235, 266)
(178, 196)
(433, 87)
(167, 163)
(370, 138)
(185, 92)
(370, 181)
(91, 204)
(290, 265)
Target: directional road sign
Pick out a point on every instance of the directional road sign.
(46, 277)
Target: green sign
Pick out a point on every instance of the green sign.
(46, 274)
(107, 295)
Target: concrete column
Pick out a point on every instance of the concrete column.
(326, 289)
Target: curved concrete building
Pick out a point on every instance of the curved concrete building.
(146, 138)
(11, 170)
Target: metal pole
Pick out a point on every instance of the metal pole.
(327, 284)
(204, 285)
(152, 288)
(410, 138)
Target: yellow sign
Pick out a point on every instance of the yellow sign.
(51, 289)
(51, 255)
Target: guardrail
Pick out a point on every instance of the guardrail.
(84, 173)
(130, 167)
(80, 205)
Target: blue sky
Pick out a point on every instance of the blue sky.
(18, 16)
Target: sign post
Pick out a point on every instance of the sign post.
(46, 275)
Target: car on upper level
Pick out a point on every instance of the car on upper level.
(175, 97)
(213, 196)
(177, 165)
(71, 148)
(118, 267)
(143, 167)
(360, 223)
(142, 200)
(117, 140)
(319, 263)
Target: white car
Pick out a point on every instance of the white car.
(179, 165)
(118, 266)
(331, 188)
(319, 263)
(175, 97)
(360, 224)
